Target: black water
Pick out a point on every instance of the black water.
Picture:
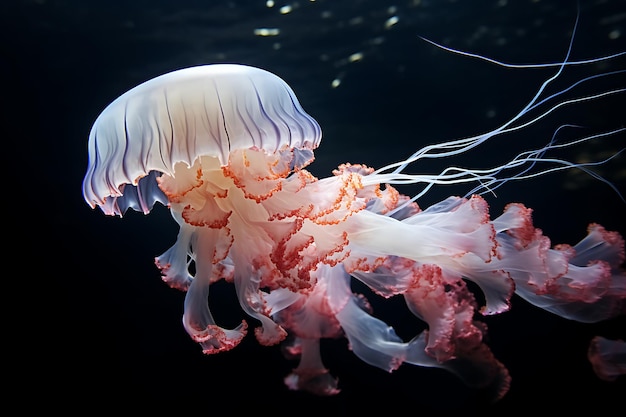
(90, 316)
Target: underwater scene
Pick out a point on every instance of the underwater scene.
(395, 204)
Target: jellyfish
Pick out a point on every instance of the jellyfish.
(226, 146)
(607, 357)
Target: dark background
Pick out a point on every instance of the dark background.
(90, 324)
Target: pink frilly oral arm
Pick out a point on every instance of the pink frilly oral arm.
(607, 357)
(376, 343)
(584, 282)
(197, 317)
(308, 318)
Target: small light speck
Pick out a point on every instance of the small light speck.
(614, 34)
(286, 9)
(356, 21)
(336, 82)
(391, 22)
(269, 3)
(267, 31)
(355, 57)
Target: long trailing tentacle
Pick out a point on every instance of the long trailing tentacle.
(525, 162)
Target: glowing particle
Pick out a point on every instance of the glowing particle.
(357, 56)
(267, 31)
(269, 3)
(336, 82)
(286, 9)
(356, 21)
(614, 34)
(391, 22)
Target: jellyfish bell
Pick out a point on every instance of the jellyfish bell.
(177, 117)
(225, 147)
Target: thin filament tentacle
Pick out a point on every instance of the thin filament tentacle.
(489, 179)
